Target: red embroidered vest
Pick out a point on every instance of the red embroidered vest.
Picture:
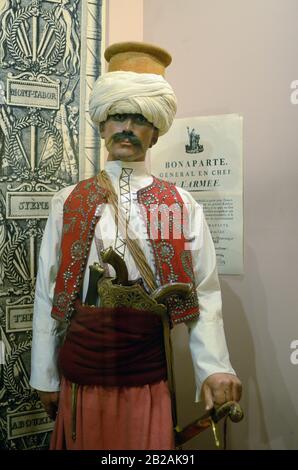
(82, 211)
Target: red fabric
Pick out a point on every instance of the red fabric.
(115, 418)
(173, 260)
(79, 220)
(166, 217)
(113, 346)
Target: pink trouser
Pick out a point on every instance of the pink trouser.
(115, 418)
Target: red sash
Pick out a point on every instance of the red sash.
(113, 347)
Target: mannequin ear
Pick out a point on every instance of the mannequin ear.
(154, 137)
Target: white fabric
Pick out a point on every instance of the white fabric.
(207, 339)
(139, 93)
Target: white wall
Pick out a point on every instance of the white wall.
(241, 56)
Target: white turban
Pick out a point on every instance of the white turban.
(134, 93)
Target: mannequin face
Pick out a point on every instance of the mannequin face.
(128, 137)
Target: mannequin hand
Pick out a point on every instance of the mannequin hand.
(50, 402)
(219, 388)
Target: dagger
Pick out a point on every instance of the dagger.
(229, 409)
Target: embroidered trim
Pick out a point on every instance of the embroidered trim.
(173, 262)
(125, 203)
(82, 210)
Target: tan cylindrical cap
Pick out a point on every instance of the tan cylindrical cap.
(137, 57)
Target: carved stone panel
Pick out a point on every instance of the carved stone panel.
(49, 56)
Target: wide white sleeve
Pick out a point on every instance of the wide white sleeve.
(47, 332)
(207, 340)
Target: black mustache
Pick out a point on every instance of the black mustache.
(119, 136)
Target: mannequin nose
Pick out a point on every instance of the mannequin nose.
(128, 124)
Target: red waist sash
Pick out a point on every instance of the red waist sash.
(113, 347)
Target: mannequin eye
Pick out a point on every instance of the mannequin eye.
(140, 119)
(118, 117)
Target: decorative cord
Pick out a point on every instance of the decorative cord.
(134, 248)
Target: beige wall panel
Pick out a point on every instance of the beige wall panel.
(234, 56)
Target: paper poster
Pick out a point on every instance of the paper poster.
(204, 156)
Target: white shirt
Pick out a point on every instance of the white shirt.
(206, 334)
